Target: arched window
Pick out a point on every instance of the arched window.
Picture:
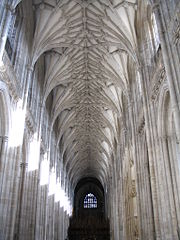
(13, 34)
(90, 201)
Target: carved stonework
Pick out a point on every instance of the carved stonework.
(43, 147)
(133, 189)
(30, 123)
(4, 138)
(24, 165)
(141, 125)
(131, 162)
(160, 77)
(176, 31)
(8, 75)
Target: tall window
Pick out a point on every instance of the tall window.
(90, 201)
(13, 34)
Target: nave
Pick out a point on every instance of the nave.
(89, 119)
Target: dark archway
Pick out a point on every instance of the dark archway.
(84, 187)
(89, 219)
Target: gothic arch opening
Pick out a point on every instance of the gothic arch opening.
(89, 119)
(89, 219)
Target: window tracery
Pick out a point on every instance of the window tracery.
(90, 201)
(13, 33)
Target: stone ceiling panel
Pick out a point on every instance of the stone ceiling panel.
(86, 46)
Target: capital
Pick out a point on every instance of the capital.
(4, 138)
(10, 8)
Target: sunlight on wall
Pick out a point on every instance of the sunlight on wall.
(44, 175)
(34, 153)
(139, 82)
(52, 182)
(17, 126)
(61, 197)
(105, 158)
(58, 191)
(106, 146)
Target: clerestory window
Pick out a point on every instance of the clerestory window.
(13, 35)
(90, 201)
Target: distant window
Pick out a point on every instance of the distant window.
(90, 201)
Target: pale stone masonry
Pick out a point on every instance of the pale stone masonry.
(90, 88)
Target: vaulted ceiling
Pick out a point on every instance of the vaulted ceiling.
(89, 47)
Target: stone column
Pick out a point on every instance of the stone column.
(115, 199)
(42, 192)
(175, 167)
(41, 224)
(119, 192)
(9, 196)
(151, 155)
(27, 215)
(56, 222)
(14, 188)
(23, 166)
(26, 88)
(169, 201)
(61, 223)
(3, 163)
(167, 63)
(3, 153)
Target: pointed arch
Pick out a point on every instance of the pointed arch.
(4, 110)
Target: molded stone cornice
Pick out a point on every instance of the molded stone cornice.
(9, 77)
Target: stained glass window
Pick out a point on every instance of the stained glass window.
(90, 201)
